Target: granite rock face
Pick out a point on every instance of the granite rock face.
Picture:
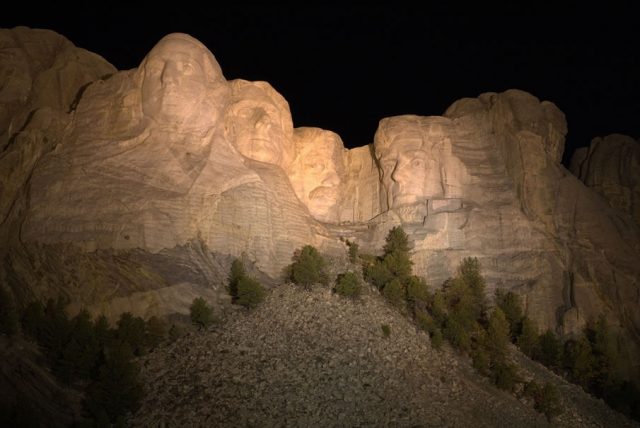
(611, 167)
(171, 154)
(42, 75)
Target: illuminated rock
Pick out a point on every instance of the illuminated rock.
(42, 74)
(170, 154)
(611, 167)
(259, 123)
(318, 172)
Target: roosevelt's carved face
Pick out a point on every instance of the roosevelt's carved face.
(316, 171)
(178, 76)
(409, 161)
(259, 123)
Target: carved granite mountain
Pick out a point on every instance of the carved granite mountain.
(611, 167)
(41, 74)
(170, 165)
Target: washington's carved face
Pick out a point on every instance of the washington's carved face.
(259, 126)
(316, 171)
(409, 164)
(177, 77)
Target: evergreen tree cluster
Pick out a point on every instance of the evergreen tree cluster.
(459, 313)
(245, 290)
(91, 354)
(590, 359)
(308, 267)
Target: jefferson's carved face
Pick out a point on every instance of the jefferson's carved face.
(409, 163)
(177, 78)
(259, 125)
(316, 171)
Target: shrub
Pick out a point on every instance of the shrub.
(348, 284)
(504, 375)
(511, 305)
(436, 338)
(244, 290)
(131, 330)
(398, 263)
(579, 360)
(481, 361)
(395, 293)
(550, 349)
(155, 331)
(497, 333)
(418, 294)
(201, 313)
(457, 333)
(396, 240)
(236, 274)
(528, 339)
(81, 353)
(117, 389)
(377, 274)
(547, 401)
(386, 330)
(469, 274)
(308, 267)
(425, 321)
(250, 292)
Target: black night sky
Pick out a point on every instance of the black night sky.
(345, 68)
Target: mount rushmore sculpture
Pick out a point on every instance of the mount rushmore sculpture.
(153, 158)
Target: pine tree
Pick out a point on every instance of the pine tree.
(469, 273)
(511, 305)
(396, 241)
(155, 332)
(348, 285)
(528, 340)
(550, 349)
(250, 292)
(131, 330)
(236, 274)
(308, 267)
(201, 313)
(395, 293)
(497, 334)
(117, 389)
(579, 360)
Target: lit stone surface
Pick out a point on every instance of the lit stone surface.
(171, 153)
(611, 167)
(259, 123)
(317, 173)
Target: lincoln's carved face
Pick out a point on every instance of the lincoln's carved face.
(259, 123)
(178, 76)
(317, 170)
(409, 161)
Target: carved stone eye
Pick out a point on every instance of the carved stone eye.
(417, 163)
(314, 167)
(188, 68)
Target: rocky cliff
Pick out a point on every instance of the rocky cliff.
(611, 167)
(155, 177)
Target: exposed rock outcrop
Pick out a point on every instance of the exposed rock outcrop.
(149, 160)
(317, 359)
(611, 167)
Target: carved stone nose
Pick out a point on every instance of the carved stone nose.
(170, 74)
